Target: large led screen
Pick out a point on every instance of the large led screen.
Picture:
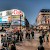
(18, 23)
(4, 19)
(11, 16)
(15, 17)
(22, 22)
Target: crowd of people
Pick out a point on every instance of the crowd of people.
(11, 38)
(18, 36)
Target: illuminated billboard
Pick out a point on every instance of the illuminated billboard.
(18, 23)
(23, 23)
(0, 19)
(11, 16)
(16, 17)
(5, 18)
(17, 12)
(4, 13)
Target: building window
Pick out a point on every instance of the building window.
(48, 11)
(43, 22)
(45, 11)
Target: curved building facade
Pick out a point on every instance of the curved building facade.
(11, 18)
(43, 19)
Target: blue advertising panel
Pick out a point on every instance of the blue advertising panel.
(0, 19)
(5, 18)
(23, 23)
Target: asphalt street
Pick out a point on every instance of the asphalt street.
(33, 44)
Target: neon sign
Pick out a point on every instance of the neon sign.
(17, 12)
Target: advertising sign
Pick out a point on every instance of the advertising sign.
(9, 18)
(23, 23)
(3, 13)
(6, 25)
(5, 18)
(0, 19)
(22, 18)
(16, 12)
(16, 17)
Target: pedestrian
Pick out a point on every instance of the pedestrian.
(3, 48)
(47, 36)
(32, 33)
(40, 47)
(21, 36)
(43, 35)
(5, 44)
(26, 35)
(13, 47)
(18, 35)
(40, 40)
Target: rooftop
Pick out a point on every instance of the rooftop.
(45, 10)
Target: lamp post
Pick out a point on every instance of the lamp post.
(20, 22)
(20, 19)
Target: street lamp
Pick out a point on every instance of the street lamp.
(20, 19)
(20, 22)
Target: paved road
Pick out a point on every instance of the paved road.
(32, 45)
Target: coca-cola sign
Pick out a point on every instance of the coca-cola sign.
(17, 12)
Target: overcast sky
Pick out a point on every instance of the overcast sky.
(31, 8)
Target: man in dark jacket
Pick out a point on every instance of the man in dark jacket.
(21, 36)
(32, 33)
(43, 35)
(41, 40)
(18, 35)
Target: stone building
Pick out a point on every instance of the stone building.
(43, 19)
